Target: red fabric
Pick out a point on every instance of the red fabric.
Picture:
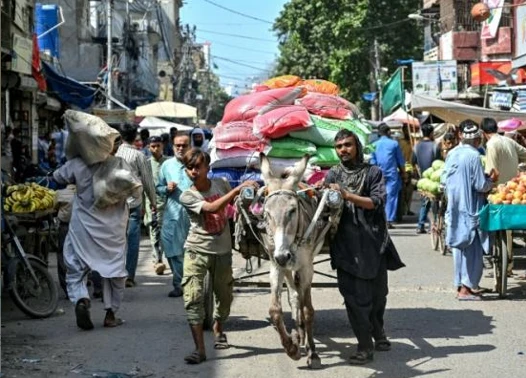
(317, 176)
(245, 108)
(238, 135)
(281, 121)
(327, 106)
(36, 67)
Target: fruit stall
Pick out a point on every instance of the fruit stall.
(33, 207)
(505, 215)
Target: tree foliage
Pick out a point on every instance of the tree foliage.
(333, 39)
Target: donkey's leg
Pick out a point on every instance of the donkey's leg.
(276, 313)
(296, 304)
(313, 360)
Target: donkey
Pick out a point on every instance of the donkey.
(285, 220)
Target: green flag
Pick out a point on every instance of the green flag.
(393, 93)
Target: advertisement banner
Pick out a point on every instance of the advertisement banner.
(491, 25)
(23, 54)
(435, 78)
(494, 73)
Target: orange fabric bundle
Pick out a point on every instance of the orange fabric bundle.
(282, 81)
(320, 86)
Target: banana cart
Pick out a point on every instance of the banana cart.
(507, 222)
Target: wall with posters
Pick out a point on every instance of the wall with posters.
(435, 78)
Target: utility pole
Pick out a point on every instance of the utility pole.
(377, 77)
(373, 84)
(109, 11)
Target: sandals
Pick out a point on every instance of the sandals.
(383, 345)
(195, 358)
(361, 358)
(221, 342)
(469, 297)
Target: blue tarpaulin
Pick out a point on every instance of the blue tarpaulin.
(66, 89)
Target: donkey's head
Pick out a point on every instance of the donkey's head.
(281, 209)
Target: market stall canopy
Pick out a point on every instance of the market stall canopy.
(455, 113)
(402, 116)
(158, 126)
(166, 109)
(67, 89)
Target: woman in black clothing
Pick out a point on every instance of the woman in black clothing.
(362, 250)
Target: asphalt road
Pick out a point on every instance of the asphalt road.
(432, 333)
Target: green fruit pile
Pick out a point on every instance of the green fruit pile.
(431, 178)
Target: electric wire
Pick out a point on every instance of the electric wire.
(239, 13)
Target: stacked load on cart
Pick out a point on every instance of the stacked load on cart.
(429, 184)
(285, 117)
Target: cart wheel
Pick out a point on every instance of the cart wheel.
(434, 237)
(208, 301)
(442, 244)
(442, 237)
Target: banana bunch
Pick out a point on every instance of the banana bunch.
(27, 198)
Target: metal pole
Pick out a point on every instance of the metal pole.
(377, 78)
(126, 58)
(109, 52)
(7, 107)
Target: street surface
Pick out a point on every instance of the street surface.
(432, 333)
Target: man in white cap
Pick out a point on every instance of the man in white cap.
(466, 185)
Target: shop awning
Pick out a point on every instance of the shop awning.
(402, 116)
(158, 126)
(166, 109)
(67, 89)
(454, 112)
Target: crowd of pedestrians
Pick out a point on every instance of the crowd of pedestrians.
(185, 214)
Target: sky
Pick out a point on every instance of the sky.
(239, 60)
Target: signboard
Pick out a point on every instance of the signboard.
(22, 54)
(481, 73)
(491, 25)
(520, 36)
(435, 78)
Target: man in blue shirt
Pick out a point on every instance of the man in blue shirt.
(388, 156)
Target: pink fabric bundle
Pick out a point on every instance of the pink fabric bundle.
(509, 125)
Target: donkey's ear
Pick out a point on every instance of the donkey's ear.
(266, 172)
(295, 174)
(299, 168)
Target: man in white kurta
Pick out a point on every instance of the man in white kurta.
(96, 241)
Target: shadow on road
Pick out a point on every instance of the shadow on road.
(417, 325)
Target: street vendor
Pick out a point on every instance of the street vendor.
(503, 154)
(208, 248)
(466, 186)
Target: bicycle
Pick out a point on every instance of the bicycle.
(438, 225)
